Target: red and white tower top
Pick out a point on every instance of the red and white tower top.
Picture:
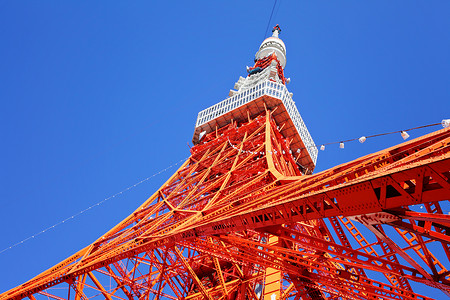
(263, 88)
(271, 52)
(271, 45)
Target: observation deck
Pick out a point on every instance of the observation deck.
(252, 99)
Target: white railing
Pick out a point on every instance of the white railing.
(269, 88)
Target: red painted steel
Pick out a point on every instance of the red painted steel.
(351, 232)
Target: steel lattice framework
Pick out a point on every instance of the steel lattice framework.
(238, 215)
(243, 218)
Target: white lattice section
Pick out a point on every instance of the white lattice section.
(269, 88)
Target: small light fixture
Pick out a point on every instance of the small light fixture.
(341, 145)
(445, 123)
(362, 139)
(404, 134)
(322, 147)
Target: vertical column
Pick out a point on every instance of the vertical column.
(272, 277)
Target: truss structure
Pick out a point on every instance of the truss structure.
(239, 220)
(244, 218)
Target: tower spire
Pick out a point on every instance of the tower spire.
(272, 52)
(276, 30)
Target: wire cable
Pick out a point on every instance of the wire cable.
(270, 19)
(177, 163)
(381, 134)
(92, 206)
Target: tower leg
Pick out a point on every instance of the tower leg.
(272, 279)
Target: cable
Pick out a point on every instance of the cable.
(381, 134)
(148, 178)
(92, 206)
(270, 19)
(344, 141)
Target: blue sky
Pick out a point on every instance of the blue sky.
(97, 96)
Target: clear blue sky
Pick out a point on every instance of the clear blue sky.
(98, 95)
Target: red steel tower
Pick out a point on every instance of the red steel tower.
(245, 218)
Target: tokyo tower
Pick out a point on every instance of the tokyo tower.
(245, 217)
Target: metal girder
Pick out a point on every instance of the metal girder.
(99, 286)
(241, 185)
(192, 274)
